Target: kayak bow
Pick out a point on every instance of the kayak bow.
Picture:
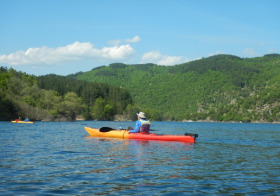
(125, 134)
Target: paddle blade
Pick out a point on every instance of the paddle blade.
(191, 134)
(105, 129)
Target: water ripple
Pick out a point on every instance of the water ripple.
(50, 158)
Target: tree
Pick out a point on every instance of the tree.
(71, 106)
(102, 109)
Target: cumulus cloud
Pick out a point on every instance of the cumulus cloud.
(157, 58)
(72, 52)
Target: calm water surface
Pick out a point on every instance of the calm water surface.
(56, 158)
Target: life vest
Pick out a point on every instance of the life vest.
(145, 126)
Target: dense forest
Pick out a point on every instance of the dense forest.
(59, 98)
(217, 88)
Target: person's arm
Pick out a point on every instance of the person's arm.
(138, 124)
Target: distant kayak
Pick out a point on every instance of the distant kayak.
(125, 134)
(21, 121)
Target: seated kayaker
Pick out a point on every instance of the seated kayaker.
(142, 124)
(26, 119)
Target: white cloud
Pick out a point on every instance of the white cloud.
(157, 58)
(133, 40)
(250, 52)
(73, 52)
(120, 41)
(115, 42)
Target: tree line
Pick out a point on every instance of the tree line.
(59, 98)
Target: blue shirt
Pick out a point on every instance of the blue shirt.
(137, 126)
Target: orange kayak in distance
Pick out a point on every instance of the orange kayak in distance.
(125, 134)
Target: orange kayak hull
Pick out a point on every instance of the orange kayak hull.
(125, 134)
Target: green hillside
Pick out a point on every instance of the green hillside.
(59, 98)
(218, 88)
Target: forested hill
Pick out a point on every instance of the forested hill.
(218, 88)
(59, 98)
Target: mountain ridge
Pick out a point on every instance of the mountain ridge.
(218, 88)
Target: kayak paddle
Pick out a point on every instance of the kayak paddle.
(191, 134)
(105, 129)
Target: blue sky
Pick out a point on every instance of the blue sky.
(65, 36)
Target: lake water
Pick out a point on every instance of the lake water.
(59, 158)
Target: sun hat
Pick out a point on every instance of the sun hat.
(141, 115)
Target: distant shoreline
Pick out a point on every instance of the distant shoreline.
(185, 121)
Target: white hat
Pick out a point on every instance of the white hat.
(141, 115)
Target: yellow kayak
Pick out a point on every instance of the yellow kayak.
(21, 121)
(125, 134)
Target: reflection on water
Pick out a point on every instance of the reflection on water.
(59, 158)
